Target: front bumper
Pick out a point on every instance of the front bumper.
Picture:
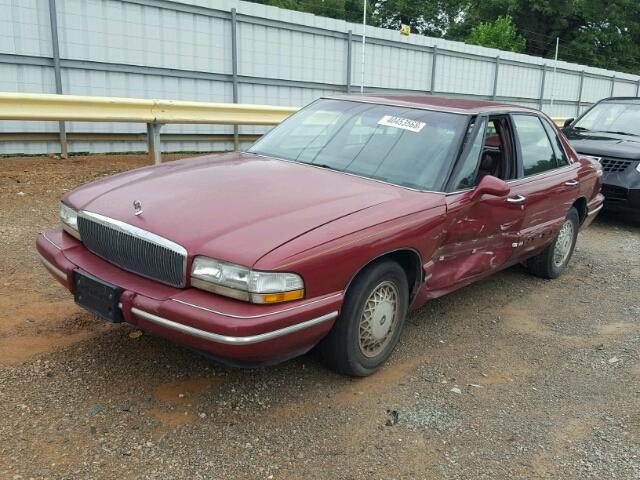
(229, 330)
(622, 189)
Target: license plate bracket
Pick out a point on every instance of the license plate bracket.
(97, 296)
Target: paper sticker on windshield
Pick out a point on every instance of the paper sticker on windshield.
(403, 123)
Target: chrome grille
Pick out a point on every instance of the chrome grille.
(133, 249)
(615, 164)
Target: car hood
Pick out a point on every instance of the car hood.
(604, 144)
(235, 207)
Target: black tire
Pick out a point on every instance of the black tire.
(544, 265)
(341, 350)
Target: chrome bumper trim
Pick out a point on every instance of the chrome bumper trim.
(595, 210)
(306, 304)
(52, 268)
(44, 235)
(225, 339)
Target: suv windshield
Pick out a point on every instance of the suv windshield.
(613, 117)
(404, 146)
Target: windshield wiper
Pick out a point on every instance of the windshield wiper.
(324, 165)
(618, 133)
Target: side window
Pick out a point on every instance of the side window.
(537, 153)
(465, 175)
(561, 156)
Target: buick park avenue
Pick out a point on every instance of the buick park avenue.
(328, 230)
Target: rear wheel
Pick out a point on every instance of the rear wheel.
(371, 320)
(553, 260)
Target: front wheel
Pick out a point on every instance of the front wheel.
(553, 260)
(371, 320)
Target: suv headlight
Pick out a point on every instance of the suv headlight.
(240, 282)
(69, 219)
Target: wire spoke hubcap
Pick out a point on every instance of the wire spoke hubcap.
(563, 244)
(378, 320)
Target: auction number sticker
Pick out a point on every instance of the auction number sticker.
(403, 123)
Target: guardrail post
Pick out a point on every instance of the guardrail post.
(234, 74)
(349, 53)
(579, 104)
(153, 141)
(55, 49)
(542, 80)
(495, 78)
(434, 57)
(613, 85)
(638, 88)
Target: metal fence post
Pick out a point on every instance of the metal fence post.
(638, 89)
(349, 53)
(613, 85)
(434, 57)
(55, 48)
(234, 75)
(153, 140)
(579, 104)
(542, 80)
(495, 78)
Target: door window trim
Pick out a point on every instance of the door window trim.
(480, 120)
(519, 146)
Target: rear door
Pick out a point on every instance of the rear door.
(547, 181)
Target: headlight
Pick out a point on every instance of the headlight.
(69, 219)
(638, 167)
(243, 283)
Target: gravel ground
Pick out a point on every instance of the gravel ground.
(513, 377)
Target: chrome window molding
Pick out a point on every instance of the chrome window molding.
(521, 179)
(229, 340)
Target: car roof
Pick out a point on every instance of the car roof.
(621, 99)
(429, 102)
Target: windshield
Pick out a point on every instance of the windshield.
(404, 146)
(612, 117)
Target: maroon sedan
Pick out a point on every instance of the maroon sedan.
(328, 230)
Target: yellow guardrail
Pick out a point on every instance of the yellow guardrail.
(34, 106)
(28, 106)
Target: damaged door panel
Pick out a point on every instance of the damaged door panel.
(480, 238)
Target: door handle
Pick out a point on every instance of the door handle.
(571, 183)
(516, 199)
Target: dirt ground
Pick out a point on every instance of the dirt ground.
(548, 374)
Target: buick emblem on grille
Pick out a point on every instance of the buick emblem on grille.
(137, 207)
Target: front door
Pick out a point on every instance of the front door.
(480, 234)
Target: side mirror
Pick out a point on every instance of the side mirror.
(568, 122)
(490, 185)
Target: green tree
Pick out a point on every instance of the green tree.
(501, 34)
(434, 18)
(602, 33)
